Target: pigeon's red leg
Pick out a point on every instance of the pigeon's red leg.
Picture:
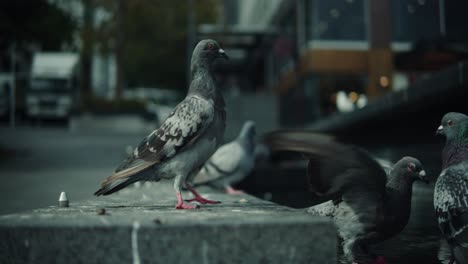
(451, 260)
(230, 190)
(198, 197)
(380, 260)
(181, 205)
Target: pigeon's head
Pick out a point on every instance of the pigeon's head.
(450, 123)
(412, 168)
(208, 50)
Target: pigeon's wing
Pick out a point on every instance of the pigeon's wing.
(334, 168)
(327, 209)
(386, 165)
(451, 203)
(225, 162)
(181, 129)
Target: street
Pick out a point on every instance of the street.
(36, 164)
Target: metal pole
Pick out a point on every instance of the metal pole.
(13, 87)
(300, 27)
(442, 17)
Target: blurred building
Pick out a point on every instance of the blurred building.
(103, 65)
(307, 51)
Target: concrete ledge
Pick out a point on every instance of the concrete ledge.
(142, 226)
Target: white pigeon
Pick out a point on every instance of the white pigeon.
(231, 163)
(185, 140)
(343, 103)
(362, 101)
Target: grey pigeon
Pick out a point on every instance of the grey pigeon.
(185, 140)
(231, 163)
(366, 205)
(451, 189)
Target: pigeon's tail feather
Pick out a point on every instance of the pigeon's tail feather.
(122, 178)
(109, 187)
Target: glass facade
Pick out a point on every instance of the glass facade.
(415, 20)
(337, 20)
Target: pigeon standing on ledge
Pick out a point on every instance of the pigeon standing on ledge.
(366, 205)
(231, 163)
(185, 140)
(451, 189)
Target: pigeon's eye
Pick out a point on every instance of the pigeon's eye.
(450, 123)
(210, 46)
(411, 166)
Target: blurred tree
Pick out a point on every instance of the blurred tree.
(87, 40)
(152, 35)
(34, 22)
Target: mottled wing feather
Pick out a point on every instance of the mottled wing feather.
(451, 203)
(183, 126)
(224, 162)
(327, 209)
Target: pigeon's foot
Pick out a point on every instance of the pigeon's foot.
(202, 200)
(230, 190)
(379, 260)
(186, 206)
(180, 203)
(198, 197)
(451, 260)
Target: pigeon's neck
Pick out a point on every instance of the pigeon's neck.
(203, 85)
(455, 151)
(401, 183)
(247, 142)
(398, 199)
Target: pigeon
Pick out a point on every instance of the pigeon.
(451, 188)
(231, 163)
(344, 103)
(366, 204)
(185, 140)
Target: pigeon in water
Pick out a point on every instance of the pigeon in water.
(231, 163)
(451, 189)
(366, 204)
(185, 140)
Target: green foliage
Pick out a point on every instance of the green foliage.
(155, 39)
(36, 22)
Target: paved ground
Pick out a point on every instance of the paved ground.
(36, 164)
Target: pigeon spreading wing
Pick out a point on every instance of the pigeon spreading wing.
(183, 126)
(366, 204)
(333, 167)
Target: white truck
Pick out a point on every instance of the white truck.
(53, 88)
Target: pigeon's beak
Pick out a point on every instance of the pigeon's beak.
(423, 177)
(223, 54)
(440, 130)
